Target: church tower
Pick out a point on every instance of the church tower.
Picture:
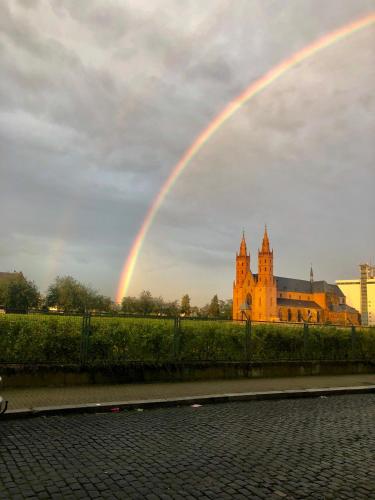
(266, 301)
(243, 280)
(242, 262)
(265, 261)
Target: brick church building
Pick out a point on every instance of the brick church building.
(266, 297)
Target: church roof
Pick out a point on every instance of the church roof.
(305, 286)
(308, 304)
(342, 308)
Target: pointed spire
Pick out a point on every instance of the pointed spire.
(311, 274)
(265, 243)
(243, 249)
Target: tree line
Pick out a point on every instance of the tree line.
(66, 294)
(146, 304)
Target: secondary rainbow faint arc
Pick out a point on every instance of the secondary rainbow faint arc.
(252, 90)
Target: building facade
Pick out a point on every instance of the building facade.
(266, 297)
(360, 293)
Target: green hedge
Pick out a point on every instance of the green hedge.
(40, 338)
(115, 340)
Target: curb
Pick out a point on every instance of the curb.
(116, 406)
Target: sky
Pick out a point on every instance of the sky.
(99, 100)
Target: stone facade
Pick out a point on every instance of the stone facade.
(265, 297)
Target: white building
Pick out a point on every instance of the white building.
(360, 293)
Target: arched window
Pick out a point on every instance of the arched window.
(289, 315)
(299, 315)
(318, 317)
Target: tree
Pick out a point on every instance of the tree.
(171, 308)
(130, 305)
(100, 302)
(19, 294)
(185, 305)
(214, 309)
(146, 302)
(226, 308)
(68, 294)
(204, 311)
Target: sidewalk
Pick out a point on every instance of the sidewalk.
(86, 394)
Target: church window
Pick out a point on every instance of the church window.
(299, 315)
(289, 315)
(265, 269)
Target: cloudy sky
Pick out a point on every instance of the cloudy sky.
(99, 99)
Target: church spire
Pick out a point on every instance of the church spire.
(311, 274)
(243, 249)
(265, 243)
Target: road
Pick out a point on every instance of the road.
(318, 448)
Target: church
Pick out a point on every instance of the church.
(266, 297)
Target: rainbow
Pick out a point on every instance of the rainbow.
(252, 90)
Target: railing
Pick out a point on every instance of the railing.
(105, 339)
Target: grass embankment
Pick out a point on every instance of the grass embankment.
(116, 340)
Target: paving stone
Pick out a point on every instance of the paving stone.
(294, 449)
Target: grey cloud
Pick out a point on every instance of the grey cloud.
(95, 114)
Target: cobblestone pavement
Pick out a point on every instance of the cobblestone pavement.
(319, 448)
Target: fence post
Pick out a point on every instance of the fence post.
(176, 337)
(86, 323)
(353, 337)
(248, 339)
(305, 339)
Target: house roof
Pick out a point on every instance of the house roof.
(305, 286)
(5, 277)
(307, 304)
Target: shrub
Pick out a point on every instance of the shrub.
(38, 338)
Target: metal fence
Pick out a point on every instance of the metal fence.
(104, 339)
